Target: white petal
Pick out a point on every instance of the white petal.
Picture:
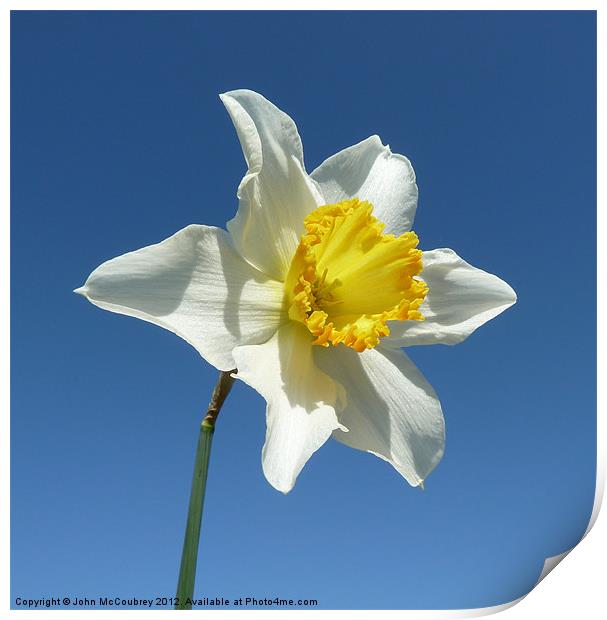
(301, 401)
(195, 285)
(370, 171)
(392, 411)
(276, 194)
(460, 299)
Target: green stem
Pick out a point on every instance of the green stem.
(189, 555)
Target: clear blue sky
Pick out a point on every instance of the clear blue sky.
(119, 139)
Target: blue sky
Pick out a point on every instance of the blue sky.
(119, 139)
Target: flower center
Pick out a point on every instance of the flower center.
(347, 279)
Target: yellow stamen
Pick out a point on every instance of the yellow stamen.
(347, 279)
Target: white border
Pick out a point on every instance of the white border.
(300, 5)
(575, 587)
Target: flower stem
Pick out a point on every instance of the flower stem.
(189, 555)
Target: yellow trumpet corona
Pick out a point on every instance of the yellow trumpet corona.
(347, 278)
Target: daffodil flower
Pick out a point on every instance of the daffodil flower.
(311, 295)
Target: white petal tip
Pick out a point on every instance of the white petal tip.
(230, 94)
(281, 485)
(284, 489)
(80, 291)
